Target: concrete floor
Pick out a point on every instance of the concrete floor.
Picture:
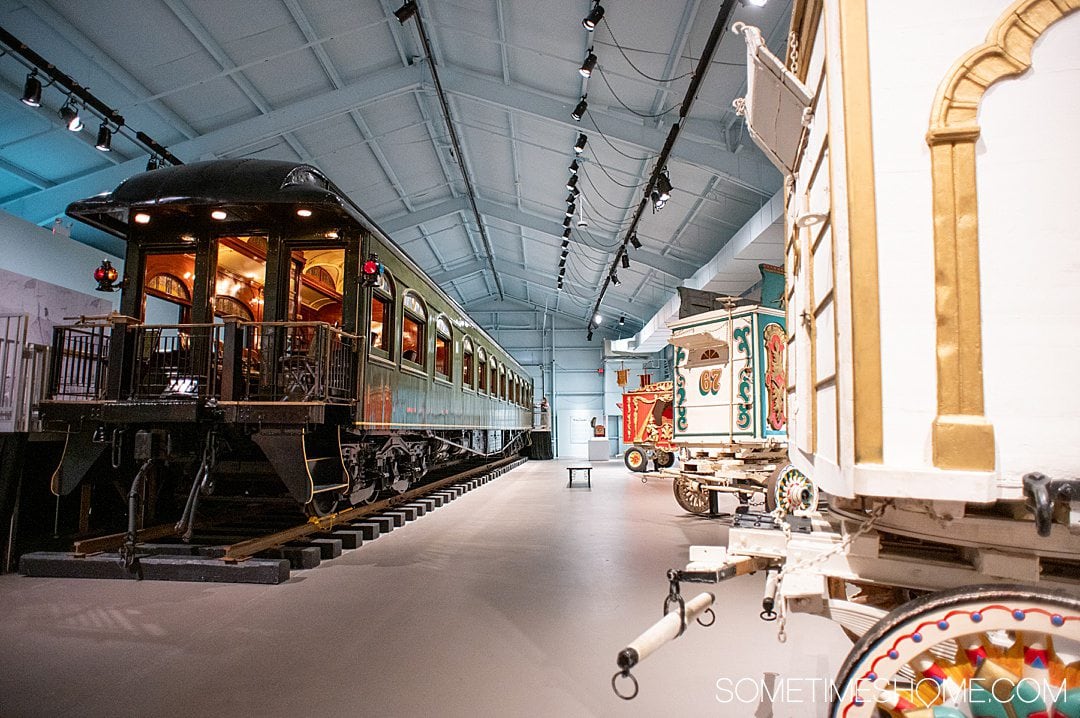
(512, 600)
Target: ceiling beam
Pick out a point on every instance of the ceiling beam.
(679, 268)
(43, 206)
(699, 143)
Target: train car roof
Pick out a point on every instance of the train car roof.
(237, 182)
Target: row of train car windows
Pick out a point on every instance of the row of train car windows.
(414, 325)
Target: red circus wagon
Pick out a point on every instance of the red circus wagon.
(647, 426)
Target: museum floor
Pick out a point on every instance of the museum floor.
(512, 600)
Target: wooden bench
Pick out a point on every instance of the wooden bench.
(577, 471)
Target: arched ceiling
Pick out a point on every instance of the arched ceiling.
(343, 85)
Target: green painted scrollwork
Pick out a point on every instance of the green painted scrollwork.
(680, 390)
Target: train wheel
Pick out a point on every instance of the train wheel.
(982, 650)
(791, 490)
(635, 459)
(695, 502)
(322, 504)
(664, 459)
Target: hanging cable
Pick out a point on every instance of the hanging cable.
(629, 157)
(601, 195)
(621, 184)
(631, 62)
(639, 113)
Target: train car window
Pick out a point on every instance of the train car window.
(443, 347)
(413, 326)
(502, 382)
(466, 363)
(494, 377)
(382, 310)
(230, 306)
(481, 370)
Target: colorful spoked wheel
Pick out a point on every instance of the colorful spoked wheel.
(977, 651)
(695, 501)
(635, 459)
(790, 490)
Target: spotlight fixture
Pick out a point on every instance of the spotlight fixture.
(579, 111)
(587, 66)
(615, 278)
(566, 222)
(634, 241)
(219, 214)
(69, 113)
(570, 209)
(571, 197)
(625, 260)
(572, 182)
(594, 16)
(152, 163)
(141, 218)
(406, 11)
(303, 212)
(757, 3)
(565, 243)
(589, 335)
(658, 204)
(622, 321)
(32, 90)
(565, 252)
(574, 167)
(562, 272)
(597, 319)
(580, 146)
(566, 235)
(663, 186)
(559, 287)
(104, 138)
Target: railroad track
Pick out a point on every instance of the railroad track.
(241, 553)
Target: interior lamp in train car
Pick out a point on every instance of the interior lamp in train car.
(370, 270)
(107, 277)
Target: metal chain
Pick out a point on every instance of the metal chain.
(793, 52)
(819, 559)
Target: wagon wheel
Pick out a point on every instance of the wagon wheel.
(664, 459)
(791, 490)
(1003, 649)
(695, 502)
(635, 459)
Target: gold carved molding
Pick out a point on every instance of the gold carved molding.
(862, 233)
(962, 436)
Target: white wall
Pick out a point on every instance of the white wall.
(48, 277)
(912, 46)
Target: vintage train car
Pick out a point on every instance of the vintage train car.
(931, 294)
(647, 426)
(731, 404)
(270, 337)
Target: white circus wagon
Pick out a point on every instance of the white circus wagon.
(931, 256)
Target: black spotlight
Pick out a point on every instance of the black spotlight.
(589, 23)
(104, 138)
(579, 111)
(580, 146)
(615, 278)
(622, 321)
(571, 183)
(31, 94)
(566, 236)
(663, 186)
(570, 208)
(565, 243)
(634, 241)
(406, 11)
(69, 113)
(587, 66)
(152, 163)
(625, 260)
(571, 197)
(573, 167)
(566, 222)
